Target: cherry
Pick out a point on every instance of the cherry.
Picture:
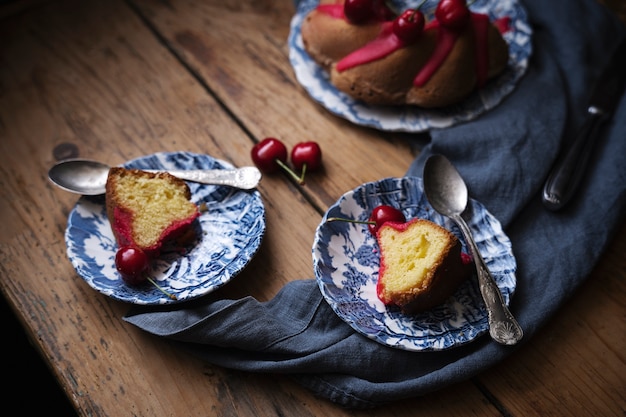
(452, 14)
(466, 259)
(363, 11)
(269, 154)
(382, 10)
(133, 264)
(358, 11)
(380, 215)
(409, 25)
(306, 156)
(306, 153)
(383, 214)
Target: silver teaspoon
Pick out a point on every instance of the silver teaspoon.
(447, 193)
(87, 177)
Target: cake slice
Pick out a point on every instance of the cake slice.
(146, 209)
(420, 265)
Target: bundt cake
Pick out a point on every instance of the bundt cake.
(147, 210)
(421, 265)
(380, 58)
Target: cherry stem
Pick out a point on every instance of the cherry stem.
(301, 179)
(290, 171)
(341, 219)
(170, 296)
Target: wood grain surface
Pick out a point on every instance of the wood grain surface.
(114, 80)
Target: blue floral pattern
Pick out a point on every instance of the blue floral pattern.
(346, 261)
(410, 118)
(229, 234)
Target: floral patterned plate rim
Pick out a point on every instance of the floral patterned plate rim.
(346, 261)
(410, 118)
(229, 235)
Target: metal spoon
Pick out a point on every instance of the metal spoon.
(87, 177)
(447, 193)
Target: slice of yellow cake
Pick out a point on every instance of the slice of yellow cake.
(148, 209)
(420, 265)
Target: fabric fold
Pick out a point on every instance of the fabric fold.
(504, 156)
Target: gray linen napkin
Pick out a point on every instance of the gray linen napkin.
(504, 156)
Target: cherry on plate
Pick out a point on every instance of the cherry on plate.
(452, 14)
(409, 26)
(383, 214)
(133, 264)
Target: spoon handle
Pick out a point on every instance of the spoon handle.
(244, 178)
(568, 172)
(503, 327)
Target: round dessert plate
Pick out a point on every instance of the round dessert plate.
(346, 262)
(411, 118)
(229, 234)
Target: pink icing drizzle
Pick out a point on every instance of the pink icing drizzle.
(445, 43)
(332, 10)
(386, 43)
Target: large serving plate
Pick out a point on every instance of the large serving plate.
(346, 262)
(410, 118)
(229, 234)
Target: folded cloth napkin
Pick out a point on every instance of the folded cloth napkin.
(504, 156)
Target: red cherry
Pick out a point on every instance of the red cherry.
(363, 11)
(379, 216)
(133, 264)
(409, 25)
(306, 153)
(452, 14)
(466, 259)
(268, 154)
(383, 214)
(382, 10)
(358, 11)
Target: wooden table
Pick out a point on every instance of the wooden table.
(121, 79)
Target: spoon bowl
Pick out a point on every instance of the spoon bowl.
(447, 193)
(80, 176)
(445, 189)
(86, 177)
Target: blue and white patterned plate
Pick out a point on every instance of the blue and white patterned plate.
(229, 235)
(410, 118)
(346, 262)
